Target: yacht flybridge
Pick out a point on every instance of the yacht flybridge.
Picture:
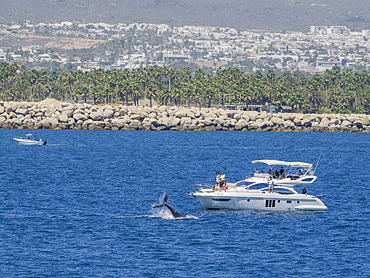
(253, 192)
(284, 173)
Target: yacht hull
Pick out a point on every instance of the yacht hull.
(259, 201)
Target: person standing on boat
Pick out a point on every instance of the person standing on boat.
(281, 172)
(223, 183)
(270, 185)
(304, 191)
(218, 180)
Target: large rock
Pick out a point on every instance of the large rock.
(306, 122)
(263, 124)
(277, 121)
(13, 106)
(96, 116)
(181, 113)
(241, 124)
(288, 124)
(262, 115)
(79, 117)
(21, 111)
(175, 121)
(108, 113)
(325, 121)
(135, 117)
(297, 121)
(237, 116)
(185, 120)
(358, 123)
(68, 112)
(365, 121)
(54, 122)
(117, 123)
(245, 117)
(152, 115)
(287, 116)
(220, 121)
(46, 123)
(334, 121)
(351, 119)
(123, 112)
(346, 123)
(87, 123)
(63, 118)
(135, 124)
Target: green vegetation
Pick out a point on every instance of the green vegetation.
(334, 91)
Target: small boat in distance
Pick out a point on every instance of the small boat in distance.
(29, 140)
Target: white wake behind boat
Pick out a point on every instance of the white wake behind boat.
(29, 140)
(253, 193)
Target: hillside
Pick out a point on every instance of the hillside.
(290, 15)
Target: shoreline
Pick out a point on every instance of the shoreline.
(52, 114)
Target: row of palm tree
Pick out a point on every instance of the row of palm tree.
(332, 91)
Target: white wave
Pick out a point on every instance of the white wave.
(164, 213)
(135, 216)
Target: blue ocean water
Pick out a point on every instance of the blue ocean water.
(81, 206)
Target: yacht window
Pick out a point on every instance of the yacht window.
(246, 183)
(289, 201)
(258, 186)
(282, 190)
(270, 203)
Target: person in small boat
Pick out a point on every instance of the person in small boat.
(300, 172)
(270, 183)
(257, 170)
(276, 173)
(304, 191)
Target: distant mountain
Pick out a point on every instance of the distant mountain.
(276, 15)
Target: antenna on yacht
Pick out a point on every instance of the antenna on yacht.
(317, 163)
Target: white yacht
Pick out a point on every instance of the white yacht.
(29, 140)
(253, 193)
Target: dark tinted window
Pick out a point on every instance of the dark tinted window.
(282, 191)
(258, 186)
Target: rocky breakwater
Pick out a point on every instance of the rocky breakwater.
(51, 114)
